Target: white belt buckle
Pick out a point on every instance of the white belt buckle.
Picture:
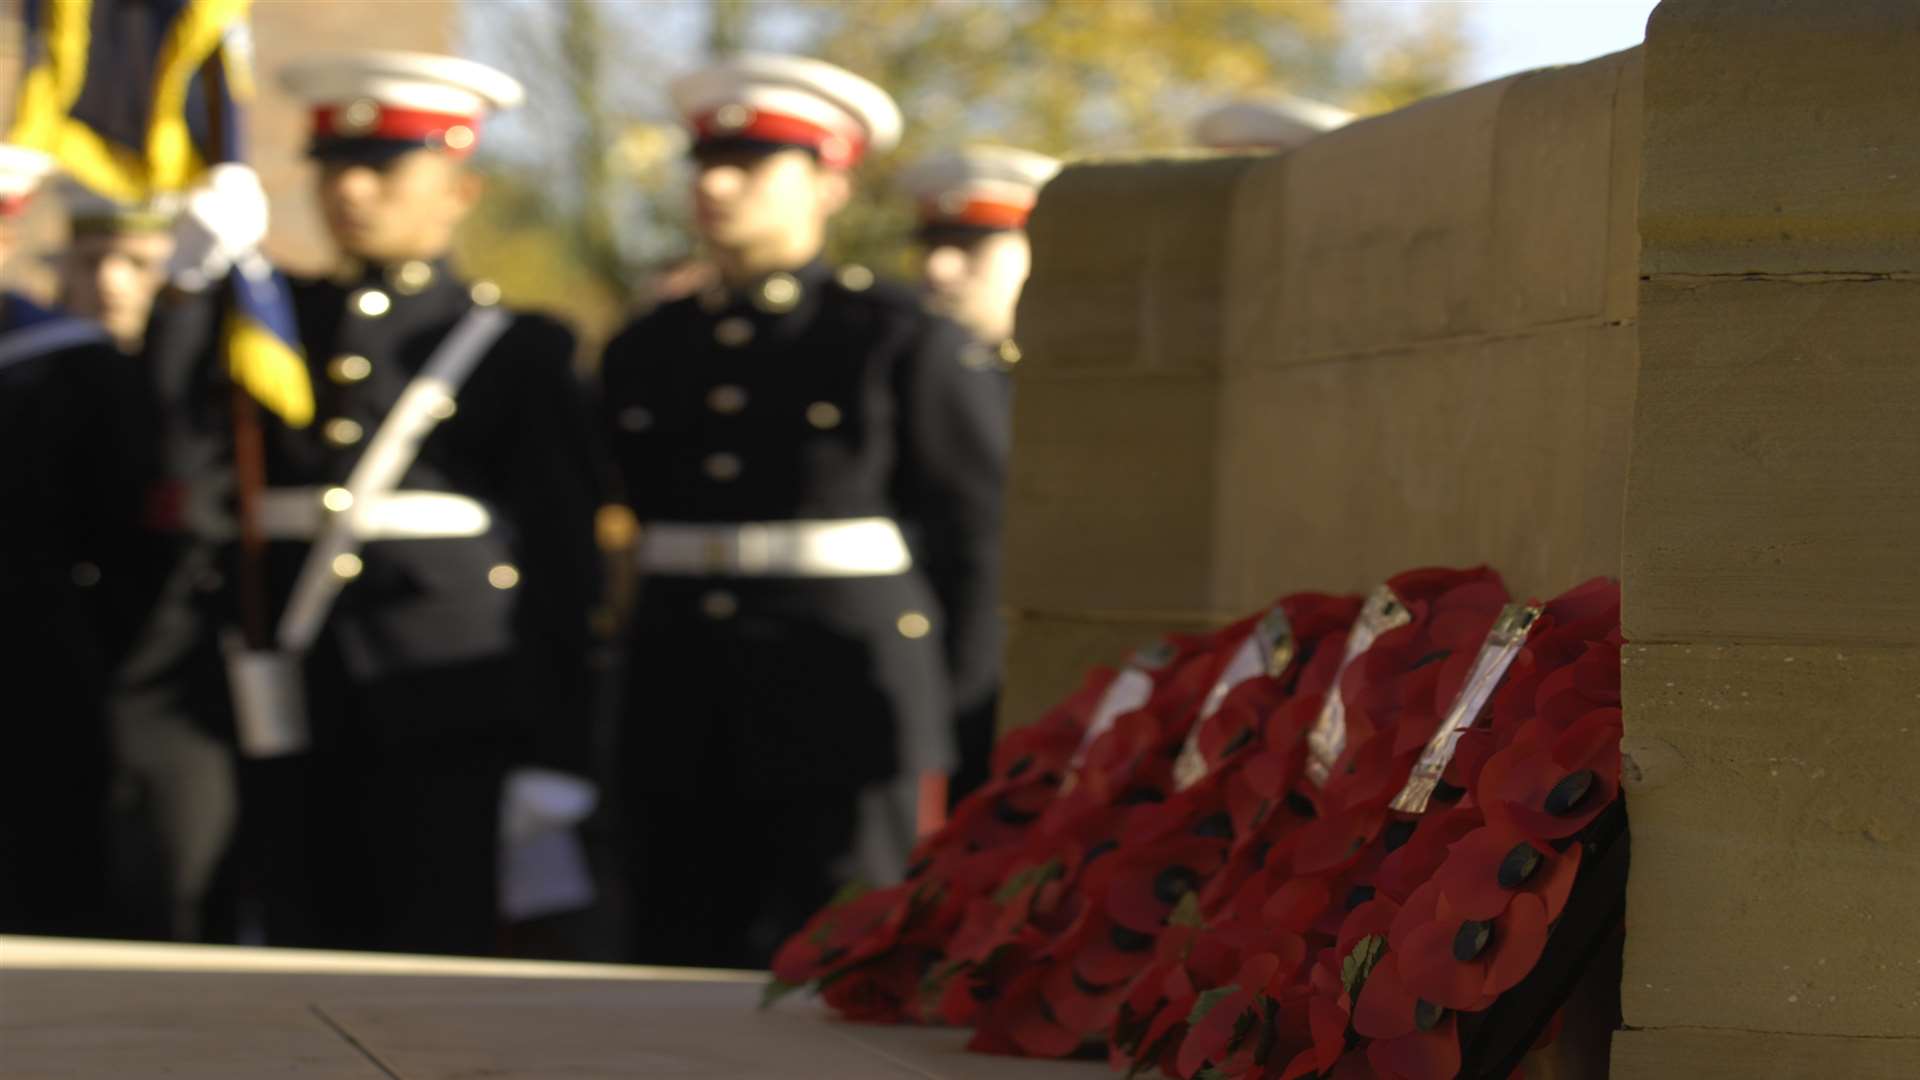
(717, 553)
(754, 544)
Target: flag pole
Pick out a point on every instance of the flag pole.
(249, 442)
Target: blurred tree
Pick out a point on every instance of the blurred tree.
(597, 162)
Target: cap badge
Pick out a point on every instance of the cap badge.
(732, 117)
(358, 117)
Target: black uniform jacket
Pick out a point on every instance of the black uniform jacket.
(518, 442)
(75, 460)
(811, 395)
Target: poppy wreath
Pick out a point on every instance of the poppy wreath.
(1041, 911)
(1127, 870)
(1306, 836)
(1464, 899)
(869, 953)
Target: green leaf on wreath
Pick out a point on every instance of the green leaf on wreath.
(851, 891)
(1031, 878)
(774, 990)
(1204, 1004)
(1359, 963)
(1210, 1073)
(1187, 911)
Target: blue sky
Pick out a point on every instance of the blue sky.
(1513, 35)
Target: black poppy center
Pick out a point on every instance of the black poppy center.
(1427, 1015)
(1569, 793)
(1519, 865)
(1471, 939)
(1218, 825)
(1008, 814)
(1129, 940)
(1358, 895)
(1174, 882)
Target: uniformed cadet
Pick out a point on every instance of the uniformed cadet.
(972, 206)
(1266, 123)
(430, 560)
(818, 478)
(115, 261)
(73, 440)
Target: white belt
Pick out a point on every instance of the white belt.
(849, 547)
(299, 513)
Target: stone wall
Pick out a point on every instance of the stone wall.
(1410, 342)
(1772, 546)
(1448, 335)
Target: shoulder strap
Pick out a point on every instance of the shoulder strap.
(51, 335)
(389, 454)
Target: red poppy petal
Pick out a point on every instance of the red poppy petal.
(1518, 940)
(1329, 1024)
(1428, 967)
(1421, 908)
(1207, 1039)
(1296, 904)
(1423, 1055)
(1385, 1008)
(1553, 883)
(1470, 878)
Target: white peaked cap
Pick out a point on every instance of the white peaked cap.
(980, 169)
(21, 170)
(793, 87)
(1279, 123)
(427, 82)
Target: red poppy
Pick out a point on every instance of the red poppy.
(1425, 850)
(1145, 883)
(1490, 866)
(1461, 963)
(1424, 1054)
(845, 933)
(1211, 1034)
(1550, 785)
(878, 992)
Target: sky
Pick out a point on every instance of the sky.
(1514, 35)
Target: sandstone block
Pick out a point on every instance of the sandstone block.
(1110, 501)
(1510, 452)
(1554, 217)
(1049, 654)
(1776, 838)
(1779, 137)
(1698, 1054)
(1127, 271)
(1386, 230)
(1776, 463)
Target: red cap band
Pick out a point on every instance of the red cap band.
(978, 213)
(836, 150)
(457, 134)
(14, 205)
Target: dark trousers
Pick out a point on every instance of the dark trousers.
(395, 854)
(53, 839)
(719, 879)
(385, 835)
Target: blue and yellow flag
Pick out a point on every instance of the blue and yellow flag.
(138, 98)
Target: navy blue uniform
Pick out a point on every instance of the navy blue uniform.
(447, 660)
(759, 707)
(75, 440)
